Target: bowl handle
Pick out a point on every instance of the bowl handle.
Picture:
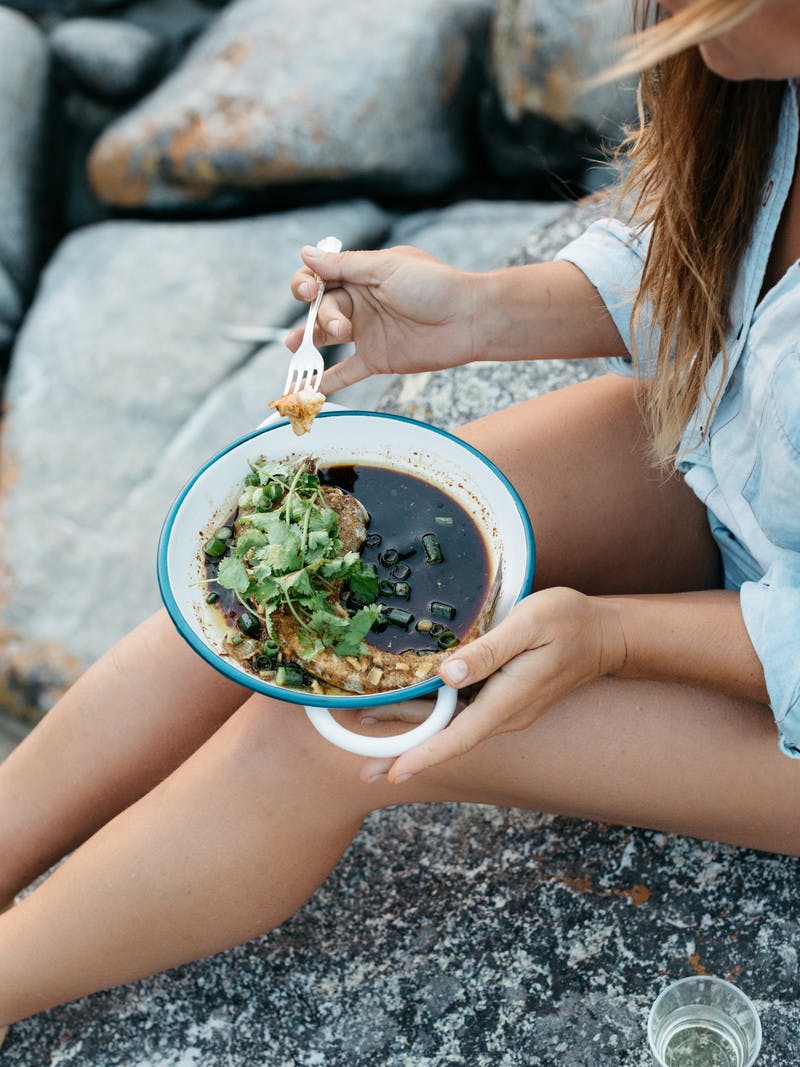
(324, 723)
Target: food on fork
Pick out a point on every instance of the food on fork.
(300, 408)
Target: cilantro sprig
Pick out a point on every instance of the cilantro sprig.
(288, 554)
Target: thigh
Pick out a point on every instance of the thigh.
(657, 755)
(605, 519)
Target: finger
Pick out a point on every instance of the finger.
(334, 319)
(485, 655)
(359, 268)
(413, 711)
(374, 769)
(477, 722)
(304, 284)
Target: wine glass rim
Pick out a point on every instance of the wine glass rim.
(710, 979)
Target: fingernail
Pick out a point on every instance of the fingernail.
(368, 720)
(375, 778)
(402, 778)
(455, 670)
(310, 252)
(308, 289)
(335, 327)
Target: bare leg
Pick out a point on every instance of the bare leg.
(239, 835)
(126, 724)
(605, 520)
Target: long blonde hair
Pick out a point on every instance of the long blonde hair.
(697, 165)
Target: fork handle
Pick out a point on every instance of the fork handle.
(308, 333)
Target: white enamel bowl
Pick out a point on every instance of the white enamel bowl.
(338, 438)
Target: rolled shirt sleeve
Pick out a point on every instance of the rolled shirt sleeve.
(771, 611)
(612, 256)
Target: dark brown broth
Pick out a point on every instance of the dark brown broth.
(402, 509)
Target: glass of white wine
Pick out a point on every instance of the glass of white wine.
(703, 1021)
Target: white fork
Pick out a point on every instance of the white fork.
(307, 366)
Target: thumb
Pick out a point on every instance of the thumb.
(487, 654)
(360, 268)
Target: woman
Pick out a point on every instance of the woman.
(633, 686)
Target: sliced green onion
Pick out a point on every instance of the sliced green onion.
(224, 533)
(386, 588)
(273, 492)
(379, 625)
(433, 550)
(235, 639)
(389, 557)
(403, 590)
(251, 479)
(399, 617)
(270, 647)
(373, 540)
(264, 663)
(212, 598)
(437, 628)
(401, 571)
(424, 626)
(290, 675)
(425, 651)
(443, 520)
(447, 640)
(249, 624)
(215, 548)
(442, 609)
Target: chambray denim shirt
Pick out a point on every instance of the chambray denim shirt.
(747, 469)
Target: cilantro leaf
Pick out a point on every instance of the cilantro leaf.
(249, 539)
(358, 628)
(363, 582)
(232, 574)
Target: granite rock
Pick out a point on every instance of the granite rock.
(60, 8)
(526, 234)
(452, 935)
(275, 94)
(476, 234)
(121, 348)
(537, 117)
(109, 58)
(24, 116)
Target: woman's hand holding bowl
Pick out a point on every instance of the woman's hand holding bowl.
(550, 644)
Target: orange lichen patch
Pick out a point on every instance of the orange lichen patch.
(453, 69)
(583, 885)
(111, 176)
(696, 964)
(33, 675)
(235, 52)
(637, 894)
(733, 972)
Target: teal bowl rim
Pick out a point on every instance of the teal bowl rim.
(293, 696)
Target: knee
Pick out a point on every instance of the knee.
(267, 737)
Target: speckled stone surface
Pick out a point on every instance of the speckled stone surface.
(463, 935)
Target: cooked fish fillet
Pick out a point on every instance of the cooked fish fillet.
(375, 671)
(299, 408)
(353, 517)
